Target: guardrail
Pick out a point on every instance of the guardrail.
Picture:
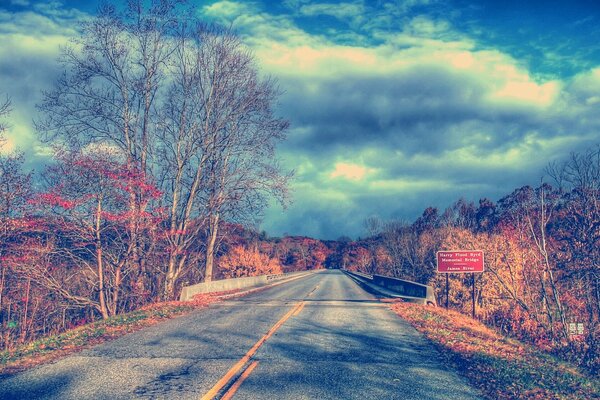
(408, 290)
(224, 285)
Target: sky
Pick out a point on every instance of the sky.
(394, 105)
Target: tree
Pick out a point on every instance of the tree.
(429, 220)
(577, 230)
(5, 108)
(530, 212)
(114, 76)
(485, 215)
(184, 105)
(15, 191)
(87, 197)
(218, 143)
(241, 261)
(242, 169)
(401, 244)
(15, 186)
(461, 214)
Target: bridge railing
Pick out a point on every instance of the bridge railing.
(224, 285)
(408, 290)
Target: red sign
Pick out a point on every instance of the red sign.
(460, 261)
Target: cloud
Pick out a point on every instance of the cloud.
(226, 10)
(350, 171)
(31, 41)
(392, 109)
(341, 11)
(428, 114)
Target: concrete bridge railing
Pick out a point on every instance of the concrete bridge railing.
(225, 285)
(407, 290)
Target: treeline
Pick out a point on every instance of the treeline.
(164, 139)
(542, 257)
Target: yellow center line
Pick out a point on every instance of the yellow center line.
(234, 388)
(311, 292)
(240, 364)
(299, 308)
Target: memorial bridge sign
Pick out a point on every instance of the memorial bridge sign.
(460, 261)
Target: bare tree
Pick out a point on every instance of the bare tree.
(217, 144)
(401, 243)
(182, 103)
(242, 168)
(15, 191)
(113, 77)
(5, 109)
(531, 212)
(229, 135)
(537, 221)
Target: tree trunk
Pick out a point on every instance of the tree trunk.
(116, 292)
(170, 278)
(102, 295)
(213, 228)
(100, 261)
(2, 280)
(24, 321)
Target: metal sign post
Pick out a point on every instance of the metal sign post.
(447, 289)
(473, 284)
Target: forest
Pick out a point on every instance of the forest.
(164, 155)
(542, 257)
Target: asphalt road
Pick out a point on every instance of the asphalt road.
(318, 337)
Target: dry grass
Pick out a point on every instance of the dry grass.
(502, 368)
(57, 346)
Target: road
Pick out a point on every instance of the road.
(317, 337)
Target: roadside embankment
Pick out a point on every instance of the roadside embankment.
(502, 368)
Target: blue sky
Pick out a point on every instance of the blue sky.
(394, 105)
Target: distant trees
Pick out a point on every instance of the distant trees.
(542, 256)
(575, 230)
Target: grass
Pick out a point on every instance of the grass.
(57, 346)
(502, 368)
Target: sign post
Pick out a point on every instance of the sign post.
(473, 297)
(447, 289)
(460, 262)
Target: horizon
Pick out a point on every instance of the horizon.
(393, 107)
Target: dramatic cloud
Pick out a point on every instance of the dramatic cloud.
(423, 117)
(31, 40)
(393, 107)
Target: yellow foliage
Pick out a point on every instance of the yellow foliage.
(241, 261)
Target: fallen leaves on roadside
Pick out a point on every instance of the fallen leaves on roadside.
(501, 367)
(57, 346)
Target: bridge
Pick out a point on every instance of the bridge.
(319, 336)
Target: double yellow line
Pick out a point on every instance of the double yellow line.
(234, 371)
